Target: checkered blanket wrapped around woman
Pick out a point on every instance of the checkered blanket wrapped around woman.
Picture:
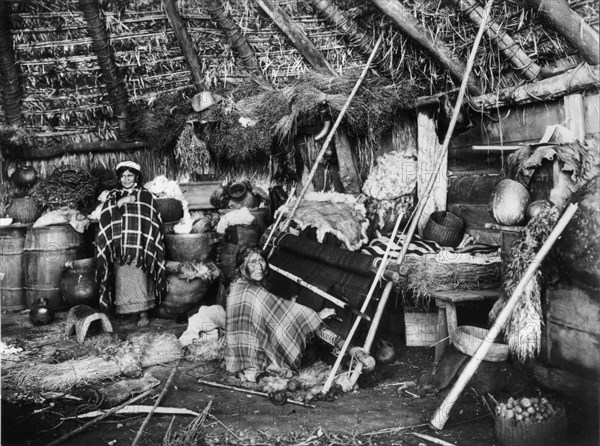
(265, 330)
(130, 234)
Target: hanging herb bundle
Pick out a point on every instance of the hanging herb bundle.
(191, 153)
(67, 186)
(523, 332)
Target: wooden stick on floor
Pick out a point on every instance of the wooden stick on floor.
(100, 418)
(158, 400)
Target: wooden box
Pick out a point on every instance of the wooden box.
(420, 327)
(198, 194)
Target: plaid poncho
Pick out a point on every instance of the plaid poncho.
(263, 329)
(130, 234)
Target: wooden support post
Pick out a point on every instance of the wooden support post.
(410, 27)
(9, 72)
(185, 43)
(115, 85)
(575, 115)
(580, 78)
(234, 35)
(559, 15)
(348, 165)
(511, 50)
(296, 34)
(429, 154)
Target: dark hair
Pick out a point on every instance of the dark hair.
(121, 170)
(245, 251)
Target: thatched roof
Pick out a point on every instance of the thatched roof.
(64, 97)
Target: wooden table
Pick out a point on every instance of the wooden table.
(446, 302)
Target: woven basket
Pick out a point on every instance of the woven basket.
(169, 209)
(444, 228)
(549, 432)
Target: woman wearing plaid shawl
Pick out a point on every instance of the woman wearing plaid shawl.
(130, 249)
(268, 332)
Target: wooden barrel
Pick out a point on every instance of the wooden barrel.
(46, 251)
(12, 243)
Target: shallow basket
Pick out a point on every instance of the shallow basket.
(549, 432)
(467, 339)
(444, 228)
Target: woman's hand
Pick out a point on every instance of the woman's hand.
(326, 313)
(126, 200)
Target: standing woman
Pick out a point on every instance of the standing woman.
(130, 249)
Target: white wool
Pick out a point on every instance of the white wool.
(241, 216)
(162, 187)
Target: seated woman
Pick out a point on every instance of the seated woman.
(267, 332)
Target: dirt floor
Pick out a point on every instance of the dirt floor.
(381, 412)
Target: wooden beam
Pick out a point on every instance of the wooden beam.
(496, 148)
(296, 34)
(185, 43)
(234, 34)
(510, 49)
(575, 115)
(429, 151)
(347, 162)
(410, 27)
(9, 72)
(39, 153)
(559, 15)
(115, 85)
(583, 77)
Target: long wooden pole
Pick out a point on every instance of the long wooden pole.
(443, 412)
(100, 418)
(336, 124)
(158, 400)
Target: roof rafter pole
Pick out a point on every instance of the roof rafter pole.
(296, 34)
(233, 32)
(509, 48)
(409, 26)
(583, 77)
(571, 26)
(353, 33)
(185, 43)
(9, 72)
(115, 86)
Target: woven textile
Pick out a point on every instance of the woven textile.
(264, 330)
(130, 234)
(133, 290)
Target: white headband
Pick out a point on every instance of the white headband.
(129, 164)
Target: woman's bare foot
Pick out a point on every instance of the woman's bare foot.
(144, 320)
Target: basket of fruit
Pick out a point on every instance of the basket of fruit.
(530, 422)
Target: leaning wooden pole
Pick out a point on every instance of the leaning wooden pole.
(443, 412)
(327, 141)
(9, 72)
(510, 49)
(185, 43)
(410, 27)
(115, 85)
(234, 34)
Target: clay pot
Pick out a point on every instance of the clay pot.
(24, 176)
(41, 314)
(78, 284)
(24, 209)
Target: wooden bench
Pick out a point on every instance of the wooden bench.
(446, 302)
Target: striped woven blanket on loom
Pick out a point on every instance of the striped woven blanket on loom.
(419, 246)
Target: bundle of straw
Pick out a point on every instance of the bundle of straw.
(137, 352)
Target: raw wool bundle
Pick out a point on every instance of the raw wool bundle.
(524, 328)
(384, 213)
(302, 385)
(205, 271)
(193, 158)
(332, 213)
(205, 350)
(130, 357)
(394, 175)
(67, 186)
